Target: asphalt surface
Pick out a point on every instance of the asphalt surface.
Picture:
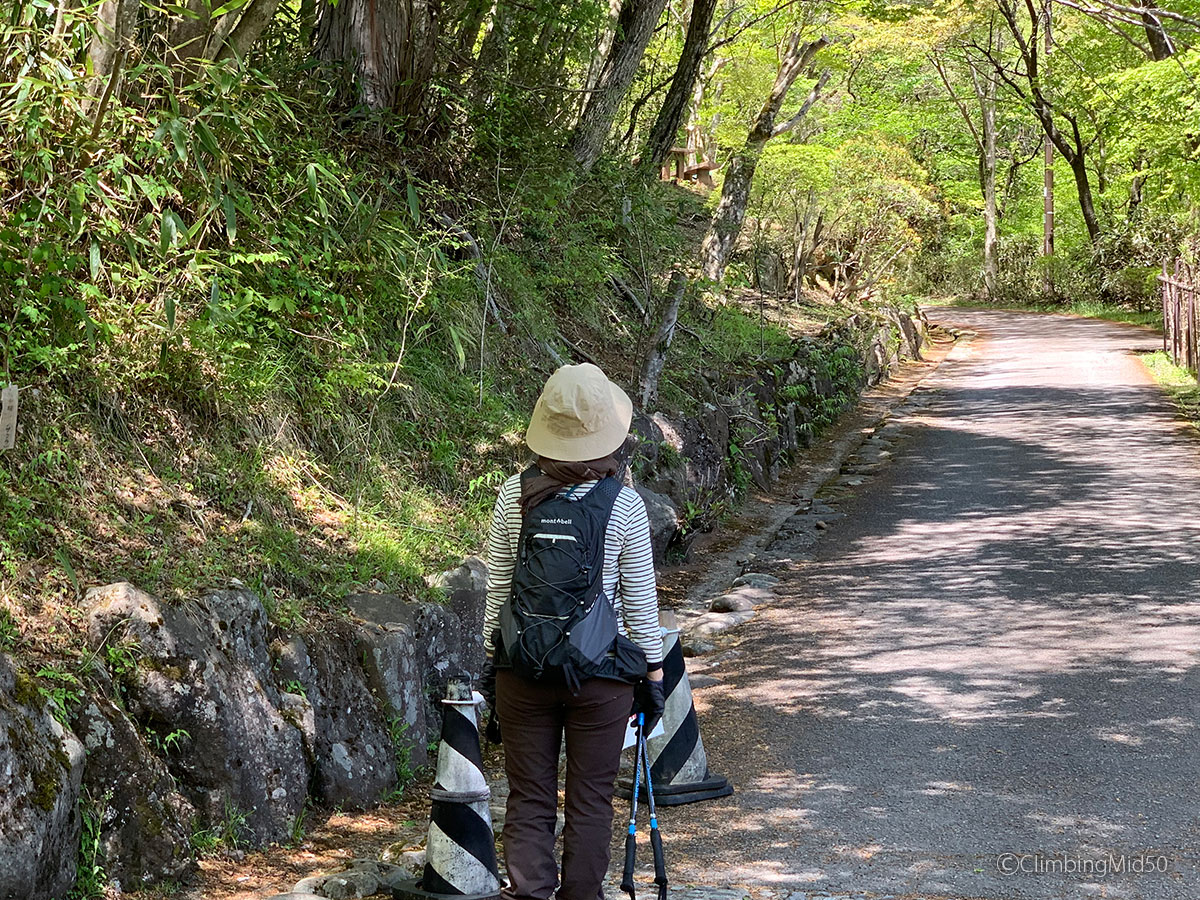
(980, 680)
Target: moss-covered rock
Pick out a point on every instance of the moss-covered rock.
(205, 691)
(144, 821)
(41, 768)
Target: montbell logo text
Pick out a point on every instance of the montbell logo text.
(558, 521)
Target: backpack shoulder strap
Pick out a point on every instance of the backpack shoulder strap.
(604, 496)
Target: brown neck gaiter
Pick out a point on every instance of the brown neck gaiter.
(556, 475)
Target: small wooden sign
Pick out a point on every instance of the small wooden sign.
(8, 417)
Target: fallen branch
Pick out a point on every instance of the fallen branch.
(579, 351)
(482, 275)
(625, 291)
(554, 354)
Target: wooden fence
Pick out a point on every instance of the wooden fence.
(1181, 318)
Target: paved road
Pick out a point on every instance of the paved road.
(992, 649)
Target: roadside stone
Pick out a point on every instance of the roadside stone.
(444, 649)
(296, 895)
(355, 757)
(756, 580)
(145, 824)
(861, 469)
(390, 661)
(385, 874)
(297, 710)
(741, 599)
(727, 603)
(409, 860)
(693, 647)
(466, 593)
(664, 521)
(350, 886)
(711, 624)
(356, 881)
(702, 681)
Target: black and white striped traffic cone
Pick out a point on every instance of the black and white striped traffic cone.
(460, 855)
(678, 763)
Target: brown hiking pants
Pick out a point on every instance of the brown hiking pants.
(533, 720)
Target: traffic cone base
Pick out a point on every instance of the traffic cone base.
(678, 794)
(414, 890)
(460, 855)
(678, 763)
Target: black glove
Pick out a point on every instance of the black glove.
(487, 684)
(648, 700)
(492, 731)
(487, 687)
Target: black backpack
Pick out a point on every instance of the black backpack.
(558, 625)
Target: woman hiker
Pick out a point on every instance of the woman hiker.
(571, 631)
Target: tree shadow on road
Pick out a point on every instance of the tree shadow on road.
(994, 651)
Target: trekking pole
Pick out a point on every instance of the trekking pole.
(660, 863)
(631, 836)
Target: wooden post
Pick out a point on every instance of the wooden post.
(1176, 311)
(1189, 285)
(1166, 288)
(8, 417)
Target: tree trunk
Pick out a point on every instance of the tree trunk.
(60, 18)
(985, 93)
(683, 82)
(390, 45)
(1084, 189)
(701, 141)
(991, 263)
(492, 64)
(735, 193)
(657, 358)
(308, 22)
(115, 23)
(1075, 153)
(1136, 185)
(539, 46)
(1161, 45)
(802, 254)
(603, 45)
(985, 147)
(254, 21)
(635, 26)
(1074, 148)
(731, 212)
(187, 36)
(466, 36)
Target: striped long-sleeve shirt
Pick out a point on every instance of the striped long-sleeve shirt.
(628, 565)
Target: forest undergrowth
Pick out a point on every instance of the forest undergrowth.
(258, 345)
(279, 318)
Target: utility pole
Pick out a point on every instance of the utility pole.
(1048, 188)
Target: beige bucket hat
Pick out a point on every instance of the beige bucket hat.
(580, 415)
